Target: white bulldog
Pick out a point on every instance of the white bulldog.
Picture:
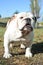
(19, 28)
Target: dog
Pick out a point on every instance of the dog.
(19, 28)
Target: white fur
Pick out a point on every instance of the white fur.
(28, 53)
(11, 45)
(22, 46)
(13, 33)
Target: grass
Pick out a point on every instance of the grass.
(38, 35)
(18, 57)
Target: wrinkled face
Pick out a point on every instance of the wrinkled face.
(24, 21)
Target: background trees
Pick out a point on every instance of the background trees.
(35, 9)
(16, 12)
(0, 15)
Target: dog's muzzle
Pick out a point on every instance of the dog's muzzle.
(27, 29)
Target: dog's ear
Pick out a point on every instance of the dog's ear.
(34, 18)
(13, 17)
(10, 20)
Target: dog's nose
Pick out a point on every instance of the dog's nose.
(27, 19)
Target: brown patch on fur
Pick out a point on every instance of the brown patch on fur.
(13, 17)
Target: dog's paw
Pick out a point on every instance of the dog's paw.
(28, 53)
(7, 55)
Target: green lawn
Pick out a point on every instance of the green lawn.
(38, 35)
(19, 59)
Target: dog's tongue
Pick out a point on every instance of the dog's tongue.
(28, 28)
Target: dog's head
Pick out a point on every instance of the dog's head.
(25, 22)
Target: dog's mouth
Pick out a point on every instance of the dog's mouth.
(27, 29)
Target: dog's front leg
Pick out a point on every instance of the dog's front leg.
(6, 49)
(28, 53)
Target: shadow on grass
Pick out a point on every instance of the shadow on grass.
(37, 48)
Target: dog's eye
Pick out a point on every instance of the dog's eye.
(21, 17)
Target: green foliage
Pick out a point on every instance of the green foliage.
(16, 12)
(4, 19)
(0, 15)
(41, 23)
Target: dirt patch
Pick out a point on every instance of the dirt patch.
(18, 57)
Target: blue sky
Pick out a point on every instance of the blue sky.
(8, 7)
